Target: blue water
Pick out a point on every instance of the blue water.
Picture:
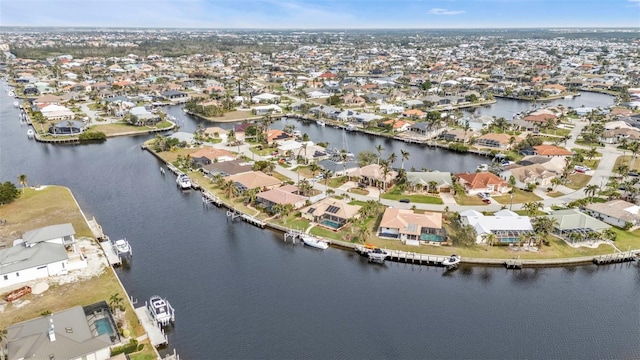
(103, 326)
(331, 224)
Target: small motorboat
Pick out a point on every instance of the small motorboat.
(313, 241)
(482, 168)
(31, 133)
(377, 255)
(122, 247)
(451, 260)
(297, 133)
(321, 123)
(183, 182)
(161, 311)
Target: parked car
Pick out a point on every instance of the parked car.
(581, 169)
(484, 195)
(632, 173)
(486, 201)
(406, 201)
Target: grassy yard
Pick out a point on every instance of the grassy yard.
(555, 194)
(627, 161)
(414, 198)
(37, 208)
(469, 200)
(48, 206)
(627, 239)
(577, 181)
(585, 151)
(519, 197)
(119, 128)
(329, 234)
(336, 182)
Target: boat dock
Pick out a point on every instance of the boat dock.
(408, 257)
(247, 218)
(210, 198)
(110, 252)
(155, 333)
(620, 257)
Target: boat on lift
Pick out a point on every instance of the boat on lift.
(161, 311)
(183, 181)
(122, 247)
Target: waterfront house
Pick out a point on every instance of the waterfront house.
(266, 109)
(475, 183)
(143, 117)
(266, 98)
(175, 96)
(374, 175)
(56, 113)
(505, 224)
(66, 127)
(423, 180)
(498, 141)
(216, 132)
(618, 213)
(397, 125)
(226, 168)
(331, 213)
(411, 228)
(23, 262)
(456, 135)
(254, 180)
(571, 221)
(287, 194)
(68, 334)
(551, 150)
(208, 155)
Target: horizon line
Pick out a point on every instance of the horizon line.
(329, 28)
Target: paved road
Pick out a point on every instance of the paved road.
(600, 177)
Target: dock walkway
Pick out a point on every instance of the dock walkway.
(110, 252)
(154, 331)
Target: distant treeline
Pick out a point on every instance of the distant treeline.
(171, 48)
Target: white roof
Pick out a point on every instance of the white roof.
(287, 145)
(503, 220)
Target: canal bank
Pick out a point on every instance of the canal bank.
(416, 257)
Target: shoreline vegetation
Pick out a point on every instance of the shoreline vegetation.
(50, 205)
(556, 253)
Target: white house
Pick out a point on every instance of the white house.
(267, 109)
(20, 263)
(57, 112)
(265, 97)
(505, 224)
(62, 234)
(619, 213)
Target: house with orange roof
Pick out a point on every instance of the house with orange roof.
(551, 150)
(275, 135)
(254, 180)
(284, 195)
(398, 125)
(540, 118)
(411, 228)
(414, 114)
(475, 183)
(208, 155)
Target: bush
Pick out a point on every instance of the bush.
(8, 192)
(92, 136)
(132, 346)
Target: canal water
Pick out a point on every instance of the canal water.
(241, 292)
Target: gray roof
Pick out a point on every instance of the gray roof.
(573, 219)
(18, 258)
(48, 233)
(73, 337)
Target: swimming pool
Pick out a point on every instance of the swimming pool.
(330, 223)
(103, 326)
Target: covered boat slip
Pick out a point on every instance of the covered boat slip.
(154, 331)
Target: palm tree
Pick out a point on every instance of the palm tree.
(544, 225)
(590, 191)
(230, 189)
(555, 182)
(116, 301)
(22, 179)
(392, 158)
(364, 231)
(432, 186)
(326, 173)
(490, 239)
(379, 149)
(532, 207)
(404, 155)
(634, 147)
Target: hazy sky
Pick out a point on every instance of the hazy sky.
(321, 13)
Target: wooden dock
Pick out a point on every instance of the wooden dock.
(155, 333)
(110, 252)
(235, 214)
(408, 257)
(620, 257)
(210, 198)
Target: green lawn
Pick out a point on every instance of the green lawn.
(627, 161)
(469, 200)
(336, 182)
(577, 181)
(584, 152)
(555, 194)
(627, 239)
(326, 233)
(414, 198)
(519, 197)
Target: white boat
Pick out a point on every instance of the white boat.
(160, 310)
(16, 103)
(377, 255)
(482, 167)
(314, 242)
(123, 247)
(183, 181)
(568, 97)
(350, 127)
(321, 123)
(296, 133)
(11, 93)
(451, 260)
(31, 133)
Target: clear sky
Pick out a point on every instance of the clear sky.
(314, 14)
